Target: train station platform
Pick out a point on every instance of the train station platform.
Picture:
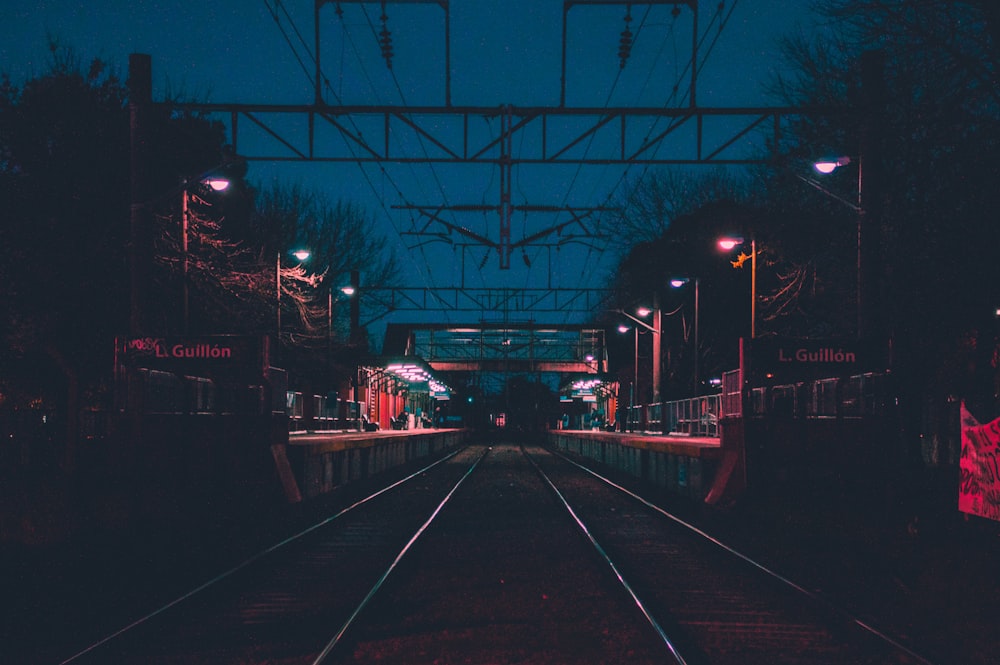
(709, 469)
(312, 463)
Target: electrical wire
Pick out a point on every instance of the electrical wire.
(278, 7)
(327, 85)
(722, 21)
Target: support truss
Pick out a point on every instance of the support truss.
(506, 137)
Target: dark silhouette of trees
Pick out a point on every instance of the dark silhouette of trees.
(688, 249)
(65, 192)
(938, 139)
(931, 175)
(64, 183)
(340, 240)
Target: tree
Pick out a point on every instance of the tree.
(64, 183)
(653, 202)
(688, 248)
(938, 137)
(340, 240)
(61, 138)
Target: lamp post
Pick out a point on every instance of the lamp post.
(728, 244)
(827, 167)
(353, 290)
(218, 185)
(301, 255)
(656, 329)
(622, 328)
(868, 205)
(677, 283)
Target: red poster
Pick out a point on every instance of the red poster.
(979, 484)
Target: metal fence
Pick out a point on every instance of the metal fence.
(694, 416)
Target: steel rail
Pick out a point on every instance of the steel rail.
(255, 558)
(812, 595)
(335, 640)
(675, 652)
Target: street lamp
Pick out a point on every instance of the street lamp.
(830, 165)
(216, 184)
(301, 255)
(727, 244)
(827, 167)
(677, 283)
(622, 328)
(656, 329)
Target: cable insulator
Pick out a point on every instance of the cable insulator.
(385, 42)
(625, 43)
(625, 47)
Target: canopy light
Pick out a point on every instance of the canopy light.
(302, 254)
(588, 384)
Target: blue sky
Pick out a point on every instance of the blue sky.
(502, 52)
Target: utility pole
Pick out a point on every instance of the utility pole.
(140, 99)
(870, 198)
(355, 307)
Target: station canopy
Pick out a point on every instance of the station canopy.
(500, 347)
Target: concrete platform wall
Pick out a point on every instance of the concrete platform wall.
(681, 465)
(320, 464)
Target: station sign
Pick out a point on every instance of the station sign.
(211, 355)
(789, 359)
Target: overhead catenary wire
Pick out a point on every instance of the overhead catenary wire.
(276, 12)
(293, 37)
(722, 22)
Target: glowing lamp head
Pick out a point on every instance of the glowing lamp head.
(831, 165)
(728, 243)
(217, 184)
(622, 328)
(643, 311)
(347, 290)
(302, 254)
(678, 282)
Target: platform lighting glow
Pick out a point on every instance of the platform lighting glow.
(622, 328)
(217, 184)
(643, 311)
(302, 254)
(587, 384)
(728, 243)
(347, 290)
(678, 282)
(589, 357)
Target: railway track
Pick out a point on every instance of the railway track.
(498, 554)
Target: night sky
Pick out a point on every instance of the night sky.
(502, 52)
